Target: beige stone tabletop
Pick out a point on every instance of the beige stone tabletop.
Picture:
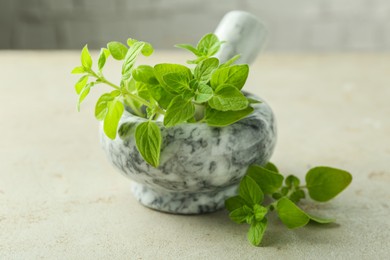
(61, 199)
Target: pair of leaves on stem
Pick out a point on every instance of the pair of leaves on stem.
(207, 46)
(109, 107)
(322, 183)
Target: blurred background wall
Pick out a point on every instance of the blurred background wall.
(295, 25)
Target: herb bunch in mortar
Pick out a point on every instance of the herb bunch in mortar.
(207, 92)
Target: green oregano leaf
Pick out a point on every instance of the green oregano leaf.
(81, 84)
(111, 120)
(204, 69)
(241, 214)
(292, 181)
(233, 203)
(268, 181)
(290, 214)
(118, 50)
(227, 97)
(297, 195)
(166, 68)
(78, 70)
(224, 118)
(86, 59)
(104, 53)
(147, 50)
(324, 183)
(250, 191)
(235, 75)
(259, 212)
(84, 93)
(145, 74)
(148, 139)
(256, 232)
(204, 93)
(179, 82)
(271, 167)
(130, 59)
(209, 45)
(179, 111)
(101, 107)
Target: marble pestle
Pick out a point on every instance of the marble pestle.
(244, 34)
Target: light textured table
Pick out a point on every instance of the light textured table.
(61, 199)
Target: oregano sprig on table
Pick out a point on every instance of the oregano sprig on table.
(322, 184)
(208, 92)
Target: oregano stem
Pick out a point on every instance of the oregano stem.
(132, 96)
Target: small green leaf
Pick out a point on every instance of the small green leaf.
(145, 74)
(130, 42)
(78, 70)
(189, 48)
(204, 93)
(268, 181)
(235, 75)
(250, 191)
(104, 53)
(292, 181)
(227, 97)
(162, 96)
(118, 50)
(259, 212)
(148, 139)
(208, 45)
(111, 120)
(84, 93)
(101, 106)
(81, 84)
(130, 59)
(234, 203)
(103, 103)
(240, 215)
(179, 82)
(180, 110)
(86, 59)
(142, 90)
(324, 183)
(256, 232)
(271, 167)
(290, 214)
(223, 118)
(205, 69)
(163, 69)
(297, 195)
(147, 50)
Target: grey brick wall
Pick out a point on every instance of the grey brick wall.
(295, 25)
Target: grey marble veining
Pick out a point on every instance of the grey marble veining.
(200, 166)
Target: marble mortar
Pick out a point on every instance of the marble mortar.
(200, 166)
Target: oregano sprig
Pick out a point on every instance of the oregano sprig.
(322, 184)
(209, 92)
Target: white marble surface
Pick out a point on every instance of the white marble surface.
(61, 199)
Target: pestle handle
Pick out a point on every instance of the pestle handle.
(244, 34)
